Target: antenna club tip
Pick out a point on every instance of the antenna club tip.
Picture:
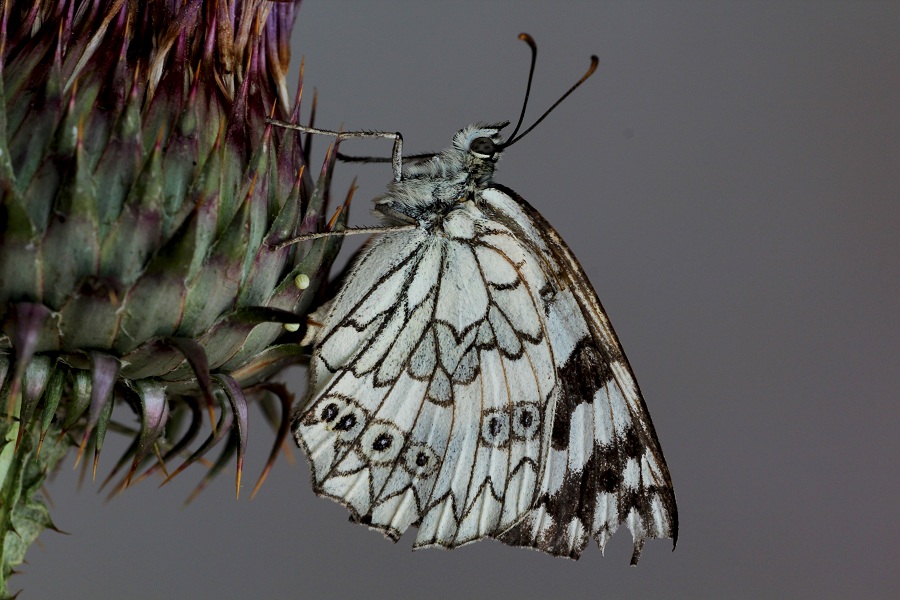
(594, 62)
(528, 40)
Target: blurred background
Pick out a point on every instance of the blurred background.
(730, 180)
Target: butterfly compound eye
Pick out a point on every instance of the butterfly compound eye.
(483, 146)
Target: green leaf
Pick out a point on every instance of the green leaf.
(23, 514)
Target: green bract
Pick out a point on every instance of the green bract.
(140, 190)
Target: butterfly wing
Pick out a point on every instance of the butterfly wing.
(604, 466)
(469, 383)
(431, 384)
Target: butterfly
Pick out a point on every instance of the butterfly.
(466, 380)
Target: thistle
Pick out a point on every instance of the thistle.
(141, 198)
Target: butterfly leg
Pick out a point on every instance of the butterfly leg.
(396, 153)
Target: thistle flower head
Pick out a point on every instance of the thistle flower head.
(141, 196)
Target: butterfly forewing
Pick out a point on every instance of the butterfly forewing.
(605, 466)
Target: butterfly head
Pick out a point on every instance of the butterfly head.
(478, 148)
(480, 142)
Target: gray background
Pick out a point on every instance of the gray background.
(729, 179)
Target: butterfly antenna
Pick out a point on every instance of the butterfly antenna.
(530, 41)
(594, 62)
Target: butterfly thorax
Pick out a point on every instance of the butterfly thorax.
(429, 191)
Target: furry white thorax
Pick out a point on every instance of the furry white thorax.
(429, 190)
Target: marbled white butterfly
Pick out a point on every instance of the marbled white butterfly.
(466, 380)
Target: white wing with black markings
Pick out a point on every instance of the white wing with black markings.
(466, 380)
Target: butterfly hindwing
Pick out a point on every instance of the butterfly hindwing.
(431, 388)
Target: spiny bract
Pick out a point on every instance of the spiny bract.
(140, 190)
